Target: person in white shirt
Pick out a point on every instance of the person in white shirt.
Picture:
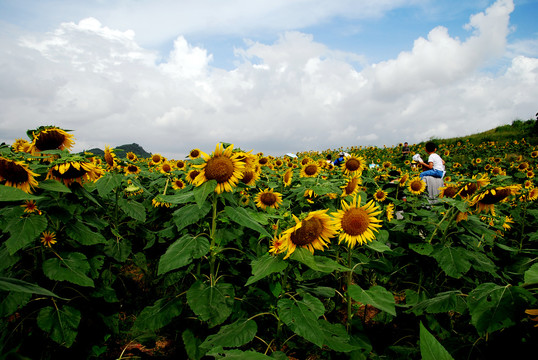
(435, 165)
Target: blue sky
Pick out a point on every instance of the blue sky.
(272, 76)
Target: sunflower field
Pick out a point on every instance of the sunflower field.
(234, 255)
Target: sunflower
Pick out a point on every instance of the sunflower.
(449, 191)
(533, 194)
(110, 157)
(178, 184)
(389, 212)
(21, 145)
(75, 171)
(353, 165)
(132, 190)
(267, 198)
(157, 201)
(131, 156)
(507, 221)
(386, 165)
(244, 200)
(530, 174)
(48, 238)
(461, 216)
(131, 169)
(222, 166)
(313, 232)
(310, 195)
(278, 245)
(310, 169)
(191, 175)
(416, 186)
(352, 186)
(166, 167)
(523, 166)
(263, 161)
(356, 223)
(195, 154)
(50, 138)
(486, 200)
(403, 180)
(380, 195)
(30, 207)
(250, 177)
(181, 165)
(534, 154)
(287, 177)
(156, 159)
(16, 174)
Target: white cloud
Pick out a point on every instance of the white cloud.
(295, 94)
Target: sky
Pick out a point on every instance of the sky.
(271, 76)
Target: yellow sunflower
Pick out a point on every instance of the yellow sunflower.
(250, 177)
(181, 165)
(223, 166)
(416, 186)
(195, 154)
(356, 223)
(191, 175)
(110, 157)
(21, 145)
(48, 238)
(267, 198)
(310, 169)
(353, 165)
(403, 180)
(278, 245)
(533, 194)
(131, 156)
(166, 167)
(486, 200)
(449, 191)
(16, 174)
(70, 172)
(287, 177)
(50, 138)
(389, 212)
(178, 184)
(131, 169)
(156, 159)
(157, 201)
(352, 186)
(380, 195)
(312, 233)
(263, 161)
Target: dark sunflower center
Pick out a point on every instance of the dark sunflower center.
(71, 173)
(132, 168)
(263, 161)
(468, 190)
(355, 221)
(49, 140)
(179, 183)
(167, 168)
(109, 159)
(278, 163)
(499, 195)
(13, 172)
(379, 195)
(195, 153)
(450, 192)
(416, 185)
(156, 158)
(304, 161)
(310, 169)
(180, 164)
(309, 231)
(268, 199)
(247, 176)
(220, 168)
(353, 164)
(193, 174)
(351, 186)
(287, 176)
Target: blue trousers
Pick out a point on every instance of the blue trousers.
(432, 172)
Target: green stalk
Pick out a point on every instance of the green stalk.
(212, 235)
(349, 278)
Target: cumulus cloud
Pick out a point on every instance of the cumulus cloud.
(291, 95)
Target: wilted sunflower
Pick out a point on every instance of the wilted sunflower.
(380, 195)
(353, 165)
(110, 157)
(403, 180)
(72, 171)
(178, 184)
(157, 201)
(16, 174)
(48, 238)
(486, 200)
(356, 223)
(49, 138)
(313, 232)
(351, 187)
(310, 169)
(223, 166)
(191, 175)
(267, 198)
(416, 186)
(131, 169)
(287, 177)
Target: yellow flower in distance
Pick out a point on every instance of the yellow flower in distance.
(223, 166)
(352, 186)
(356, 223)
(268, 198)
(380, 195)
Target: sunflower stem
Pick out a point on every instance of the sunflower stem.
(213, 236)
(522, 225)
(348, 284)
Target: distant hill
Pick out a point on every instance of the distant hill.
(134, 148)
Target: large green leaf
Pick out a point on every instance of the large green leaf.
(430, 348)
(265, 266)
(443, 303)
(192, 345)
(54, 185)
(13, 301)
(453, 260)
(190, 214)
(6, 259)
(243, 217)
(133, 209)
(235, 354)
(16, 285)
(160, 314)
(531, 275)
(119, 249)
(336, 337)
(107, 183)
(61, 323)
(234, 335)
(8, 193)
(24, 231)
(201, 192)
(377, 296)
(317, 263)
(72, 268)
(82, 234)
(182, 252)
(211, 303)
(181, 198)
(422, 248)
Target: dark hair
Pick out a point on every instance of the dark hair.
(431, 146)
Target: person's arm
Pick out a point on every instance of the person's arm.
(428, 165)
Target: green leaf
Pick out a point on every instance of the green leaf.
(336, 337)
(60, 323)
(8, 193)
(454, 261)
(377, 246)
(242, 216)
(443, 303)
(16, 285)
(531, 275)
(234, 335)
(430, 348)
(182, 252)
(422, 248)
(211, 303)
(192, 345)
(181, 198)
(158, 315)
(24, 231)
(72, 268)
(190, 214)
(82, 234)
(107, 183)
(54, 185)
(12, 302)
(6, 259)
(118, 249)
(377, 296)
(133, 209)
(265, 266)
(235, 354)
(302, 317)
(201, 192)
(317, 263)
